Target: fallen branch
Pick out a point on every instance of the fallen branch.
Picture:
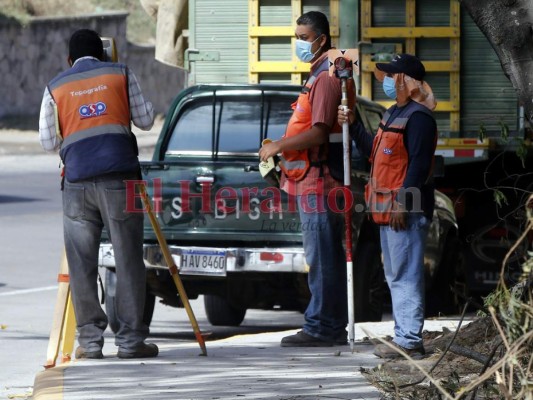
(487, 364)
(412, 362)
(514, 351)
(469, 353)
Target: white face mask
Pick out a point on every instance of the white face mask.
(303, 49)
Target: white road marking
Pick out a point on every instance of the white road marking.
(25, 291)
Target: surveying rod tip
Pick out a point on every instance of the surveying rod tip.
(200, 340)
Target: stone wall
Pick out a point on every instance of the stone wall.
(31, 55)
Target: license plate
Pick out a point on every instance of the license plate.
(203, 262)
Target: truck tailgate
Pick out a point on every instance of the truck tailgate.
(226, 201)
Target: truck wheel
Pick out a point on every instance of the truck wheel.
(449, 282)
(221, 313)
(369, 283)
(110, 289)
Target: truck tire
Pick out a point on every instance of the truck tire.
(110, 288)
(448, 288)
(221, 313)
(369, 283)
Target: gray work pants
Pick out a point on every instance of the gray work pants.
(88, 206)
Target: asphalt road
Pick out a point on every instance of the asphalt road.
(31, 245)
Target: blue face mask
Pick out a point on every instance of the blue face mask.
(389, 87)
(303, 50)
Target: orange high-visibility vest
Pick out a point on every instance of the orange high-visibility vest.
(296, 163)
(389, 160)
(94, 118)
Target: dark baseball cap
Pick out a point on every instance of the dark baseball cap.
(404, 64)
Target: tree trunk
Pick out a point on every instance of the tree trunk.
(508, 25)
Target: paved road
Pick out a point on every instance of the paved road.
(31, 245)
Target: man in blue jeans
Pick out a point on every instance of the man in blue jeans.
(400, 192)
(307, 175)
(86, 113)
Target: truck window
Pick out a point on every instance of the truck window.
(193, 132)
(240, 125)
(278, 111)
(374, 118)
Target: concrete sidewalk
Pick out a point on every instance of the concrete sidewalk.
(246, 366)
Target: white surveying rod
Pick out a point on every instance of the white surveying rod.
(348, 218)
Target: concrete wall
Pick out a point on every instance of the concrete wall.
(33, 54)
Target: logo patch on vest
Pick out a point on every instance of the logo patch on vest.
(299, 108)
(387, 151)
(92, 110)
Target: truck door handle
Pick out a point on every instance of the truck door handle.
(250, 168)
(205, 179)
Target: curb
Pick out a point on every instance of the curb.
(49, 384)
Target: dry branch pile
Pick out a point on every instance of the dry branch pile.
(490, 358)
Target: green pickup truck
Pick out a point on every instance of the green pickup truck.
(237, 241)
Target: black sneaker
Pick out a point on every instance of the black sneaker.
(384, 351)
(143, 350)
(302, 339)
(81, 352)
(342, 339)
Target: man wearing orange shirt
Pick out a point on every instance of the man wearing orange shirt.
(310, 153)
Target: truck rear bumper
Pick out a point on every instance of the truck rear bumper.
(233, 260)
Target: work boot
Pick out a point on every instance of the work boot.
(142, 350)
(81, 352)
(384, 351)
(302, 339)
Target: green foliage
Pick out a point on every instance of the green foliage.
(527, 267)
(520, 143)
(504, 130)
(496, 297)
(512, 312)
(482, 133)
(499, 197)
(141, 28)
(521, 151)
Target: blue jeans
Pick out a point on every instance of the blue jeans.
(326, 315)
(403, 262)
(88, 206)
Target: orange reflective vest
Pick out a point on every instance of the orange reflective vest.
(296, 163)
(389, 160)
(94, 120)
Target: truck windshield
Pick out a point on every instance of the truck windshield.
(241, 124)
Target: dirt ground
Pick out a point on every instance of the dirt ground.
(460, 365)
